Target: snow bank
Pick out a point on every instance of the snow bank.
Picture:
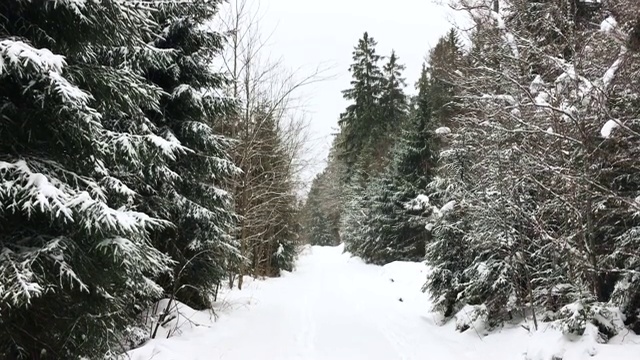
(169, 318)
(551, 344)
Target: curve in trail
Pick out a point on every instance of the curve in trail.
(332, 307)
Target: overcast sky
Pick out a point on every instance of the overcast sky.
(312, 33)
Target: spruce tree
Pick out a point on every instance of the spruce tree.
(76, 262)
(392, 112)
(317, 221)
(396, 229)
(201, 241)
(362, 117)
(448, 252)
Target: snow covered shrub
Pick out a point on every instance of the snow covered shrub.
(472, 317)
(135, 336)
(626, 293)
(573, 320)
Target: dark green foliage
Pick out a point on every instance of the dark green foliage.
(396, 228)
(76, 264)
(201, 243)
(362, 118)
(319, 229)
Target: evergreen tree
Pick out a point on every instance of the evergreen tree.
(546, 205)
(362, 117)
(76, 262)
(396, 231)
(201, 241)
(392, 112)
(318, 224)
(449, 252)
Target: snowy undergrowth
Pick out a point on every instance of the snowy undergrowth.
(334, 306)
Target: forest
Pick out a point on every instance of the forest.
(149, 151)
(513, 172)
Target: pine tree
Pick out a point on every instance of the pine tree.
(201, 241)
(392, 108)
(543, 215)
(448, 252)
(396, 231)
(318, 224)
(362, 117)
(76, 262)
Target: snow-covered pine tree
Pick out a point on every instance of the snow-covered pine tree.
(396, 226)
(353, 224)
(545, 93)
(201, 242)
(384, 127)
(76, 262)
(448, 251)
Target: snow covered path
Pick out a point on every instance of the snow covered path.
(331, 307)
(334, 307)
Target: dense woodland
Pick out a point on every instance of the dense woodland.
(514, 170)
(148, 151)
(144, 155)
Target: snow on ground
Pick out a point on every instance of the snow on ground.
(336, 307)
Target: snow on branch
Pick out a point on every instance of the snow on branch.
(608, 25)
(130, 144)
(21, 283)
(508, 37)
(69, 93)
(608, 128)
(33, 191)
(420, 202)
(610, 74)
(20, 56)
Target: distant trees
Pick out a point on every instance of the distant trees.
(323, 206)
(385, 154)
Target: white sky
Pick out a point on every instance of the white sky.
(311, 33)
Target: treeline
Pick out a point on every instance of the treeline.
(142, 156)
(513, 171)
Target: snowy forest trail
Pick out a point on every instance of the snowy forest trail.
(331, 307)
(336, 307)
